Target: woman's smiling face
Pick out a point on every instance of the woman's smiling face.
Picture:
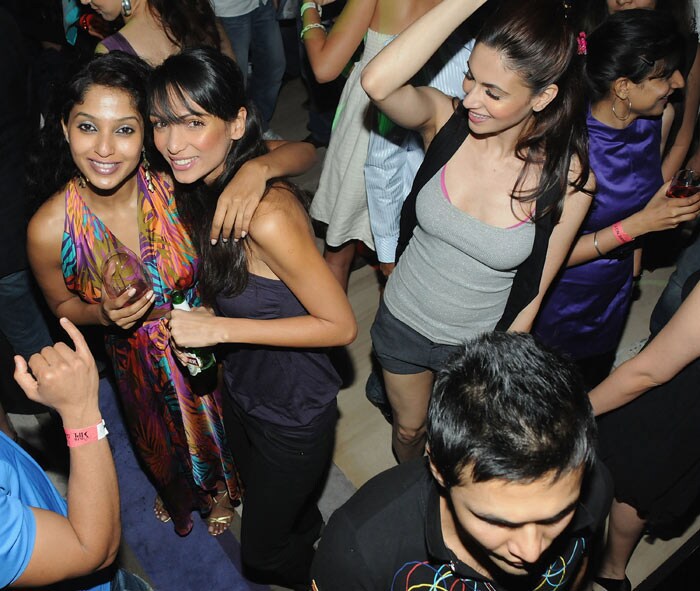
(497, 97)
(105, 134)
(650, 97)
(196, 144)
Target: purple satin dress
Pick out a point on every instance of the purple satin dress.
(585, 310)
(118, 42)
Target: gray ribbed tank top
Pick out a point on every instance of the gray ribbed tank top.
(454, 279)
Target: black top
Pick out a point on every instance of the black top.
(285, 386)
(526, 283)
(388, 537)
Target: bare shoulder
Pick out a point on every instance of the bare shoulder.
(46, 225)
(575, 172)
(279, 213)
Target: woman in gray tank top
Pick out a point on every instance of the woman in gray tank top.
(522, 160)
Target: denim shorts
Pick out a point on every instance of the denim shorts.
(402, 350)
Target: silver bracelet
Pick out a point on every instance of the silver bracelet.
(595, 243)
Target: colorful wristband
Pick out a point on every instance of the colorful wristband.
(306, 5)
(307, 28)
(620, 235)
(78, 437)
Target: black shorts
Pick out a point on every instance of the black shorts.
(402, 350)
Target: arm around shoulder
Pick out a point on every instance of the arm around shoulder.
(297, 262)
(239, 199)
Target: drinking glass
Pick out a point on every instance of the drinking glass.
(685, 183)
(121, 271)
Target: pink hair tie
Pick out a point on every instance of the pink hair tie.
(582, 45)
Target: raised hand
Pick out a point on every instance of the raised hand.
(62, 378)
(237, 203)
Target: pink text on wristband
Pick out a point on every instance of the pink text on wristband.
(78, 437)
(620, 235)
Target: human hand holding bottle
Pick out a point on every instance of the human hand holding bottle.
(199, 361)
(194, 328)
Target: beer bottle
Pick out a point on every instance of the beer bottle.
(201, 362)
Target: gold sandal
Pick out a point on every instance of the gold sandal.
(220, 499)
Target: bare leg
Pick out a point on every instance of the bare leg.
(624, 530)
(5, 425)
(409, 396)
(339, 260)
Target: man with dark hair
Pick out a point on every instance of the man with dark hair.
(509, 497)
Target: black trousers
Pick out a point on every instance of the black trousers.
(283, 470)
(596, 368)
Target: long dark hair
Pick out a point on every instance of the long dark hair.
(187, 23)
(50, 164)
(535, 40)
(207, 82)
(635, 44)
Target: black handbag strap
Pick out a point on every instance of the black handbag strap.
(445, 143)
(528, 276)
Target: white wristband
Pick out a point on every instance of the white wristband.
(306, 5)
(307, 28)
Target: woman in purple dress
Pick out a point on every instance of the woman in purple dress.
(631, 70)
(156, 29)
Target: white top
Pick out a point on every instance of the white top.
(228, 8)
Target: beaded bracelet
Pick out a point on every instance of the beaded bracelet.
(310, 26)
(620, 235)
(306, 5)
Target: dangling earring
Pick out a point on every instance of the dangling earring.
(126, 7)
(629, 109)
(82, 181)
(147, 172)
